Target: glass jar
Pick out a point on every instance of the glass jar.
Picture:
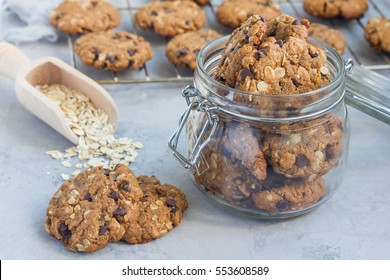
(261, 155)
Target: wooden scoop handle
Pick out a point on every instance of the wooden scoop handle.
(12, 61)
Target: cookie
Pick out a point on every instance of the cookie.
(113, 50)
(183, 49)
(241, 143)
(310, 151)
(377, 32)
(331, 36)
(94, 208)
(290, 197)
(77, 17)
(161, 210)
(233, 13)
(170, 18)
(272, 58)
(347, 9)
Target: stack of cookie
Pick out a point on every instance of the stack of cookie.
(99, 46)
(271, 166)
(101, 205)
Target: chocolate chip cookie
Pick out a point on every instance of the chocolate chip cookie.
(183, 49)
(233, 13)
(113, 50)
(310, 151)
(170, 18)
(94, 208)
(377, 32)
(333, 37)
(290, 197)
(161, 210)
(272, 58)
(76, 17)
(347, 9)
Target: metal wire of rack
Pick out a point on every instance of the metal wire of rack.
(381, 61)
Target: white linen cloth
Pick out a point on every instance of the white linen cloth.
(27, 20)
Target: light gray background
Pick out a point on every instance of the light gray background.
(354, 224)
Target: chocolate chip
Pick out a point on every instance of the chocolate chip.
(96, 53)
(151, 26)
(281, 204)
(116, 36)
(144, 199)
(279, 42)
(245, 73)
(88, 197)
(125, 186)
(106, 172)
(104, 65)
(263, 19)
(174, 209)
(111, 58)
(114, 195)
(102, 230)
(262, 52)
(131, 52)
(273, 32)
(170, 202)
(120, 212)
(130, 64)
(301, 161)
(182, 52)
(296, 83)
(187, 22)
(296, 22)
(313, 55)
(153, 13)
(64, 231)
(246, 39)
(94, 3)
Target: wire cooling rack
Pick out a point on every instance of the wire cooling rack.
(160, 70)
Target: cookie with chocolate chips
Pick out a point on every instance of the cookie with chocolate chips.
(170, 18)
(347, 9)
(94, 208)
(182, 50)
(160, 210)
(272, 58)
(77, 17)
(290, 197)
(332, 36)
(113, 50)
(310, 151)
(377, 32)
(233, 13)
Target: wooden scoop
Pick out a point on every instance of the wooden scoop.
(50, 70)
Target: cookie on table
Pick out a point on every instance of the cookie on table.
(309, 152)
(183, 49)
(377, 32)
(233, 13)
(331, 36)
(336, 8)
(94, 208)
(77, 17)
(161, 209)
(170, 18)
(113, 50)
(272, 58)
(290, 197)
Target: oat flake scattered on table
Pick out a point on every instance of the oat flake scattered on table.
(97, 145)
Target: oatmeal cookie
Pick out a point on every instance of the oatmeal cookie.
(183, 49)
(161, 209)
(76, 17)
(377, 32)
(94, 208)
(333, 37)
(170, 18)
(233, 13)
(272, 58)
(113, 50)
(308, 152)
(347, 9)
(290, 197)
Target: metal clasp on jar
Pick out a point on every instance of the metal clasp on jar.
(194, 102)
